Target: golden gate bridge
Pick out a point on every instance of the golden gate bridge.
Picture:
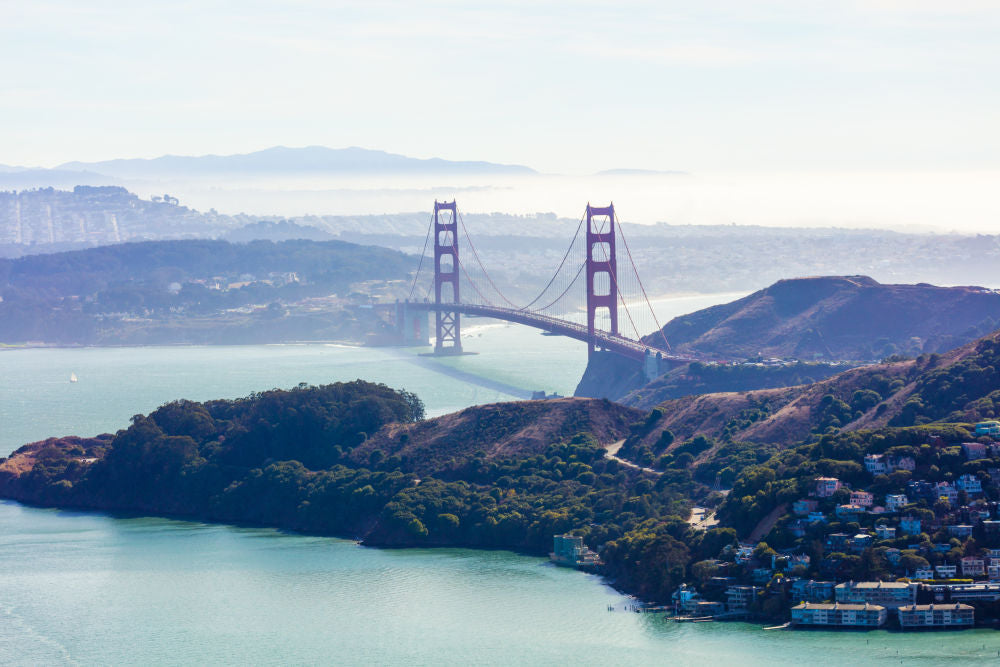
(617, 306)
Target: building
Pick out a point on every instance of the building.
(945, 571)
(993, 572)
(862, 498)
(895, 502)
(738, 598)
(960, 531)
(974, 450)
(970, 484)
(849, 512)
(570, 551)
(875, 464)
(973, 567)
(945, 491)
(809, 590)
(860, 542)
(884, 532)
(827, 486)
(893, 555)
(910, 525)
(816, 516)
(936, 616)
(804, 506)
(889, 594)
(923, 573)
(988, 428)
(839, 614)
(902, 463)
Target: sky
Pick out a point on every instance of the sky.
(564, 87)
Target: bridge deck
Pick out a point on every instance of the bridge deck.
(619, 344)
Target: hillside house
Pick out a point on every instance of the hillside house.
(970, 484)
(974, 451)
(894, 502)
(884, 532)
(988, 428)
(804, 506)
(909, 525)
(862, 498)
(827, 486)
(973, 567)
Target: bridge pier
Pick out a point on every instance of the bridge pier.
(412, 324)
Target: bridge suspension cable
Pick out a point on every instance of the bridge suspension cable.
(642, 287)
(555, 275)
(420, 264)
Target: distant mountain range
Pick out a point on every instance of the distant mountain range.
(279, 159)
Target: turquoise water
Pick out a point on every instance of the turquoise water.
(85, 588)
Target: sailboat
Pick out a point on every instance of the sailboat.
(73, 378)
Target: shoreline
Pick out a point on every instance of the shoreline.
(34, 345)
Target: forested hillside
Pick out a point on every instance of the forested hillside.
(190, 291)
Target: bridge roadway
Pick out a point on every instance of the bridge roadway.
(619, 344)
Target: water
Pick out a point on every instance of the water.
(85, 588)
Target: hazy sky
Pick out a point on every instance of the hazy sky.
(567, 87)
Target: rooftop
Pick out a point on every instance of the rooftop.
(839, 606)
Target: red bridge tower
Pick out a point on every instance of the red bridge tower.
(602, 269)
(446, 279)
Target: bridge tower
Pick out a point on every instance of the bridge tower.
(446, 279)
(601, 264)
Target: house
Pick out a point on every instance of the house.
(827, 486)
(798, 527)
(839, 614)
(875, 464)
(974, 450)
(738, 598)
(973, 567)
(945, 491)
(988, 428)
(945, 571)
(910, 525)
(901, 463)
(970, 484)
(884, 532)
(762, 575)
(991, 527)
(816, 516)
(921, 489)
(860, 542)
(960, 531)
(809, 590)
(570, 551)
(893, 555)
(992, 553)
(923, 573)
(688, 601)
(936, 616)
(889, 594)
(895, 502)
(744, 552)
(804, 506)
(862, 498)
(993, 572)
(837, 541)
(849, 512)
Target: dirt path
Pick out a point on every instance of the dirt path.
(765, 525)
(613, 450)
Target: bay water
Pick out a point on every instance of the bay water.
(91, 589)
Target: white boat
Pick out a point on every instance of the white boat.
(73, 378)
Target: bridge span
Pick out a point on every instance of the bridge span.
(607, 293)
